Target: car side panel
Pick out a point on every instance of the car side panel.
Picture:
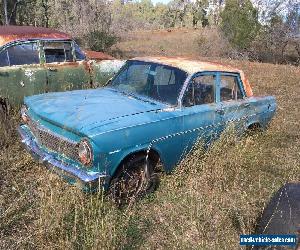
(160, 134)
(102, 71)
(16, 82)
(67, 76)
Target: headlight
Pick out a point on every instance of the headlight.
(85, 152)
(24, 114)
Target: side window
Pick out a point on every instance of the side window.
(201, 90)
(134, 75)
(23, 54)
(164, 76)
(58, 52)
(229, 88)
(4, 58)
(80, 56)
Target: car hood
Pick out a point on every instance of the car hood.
(83, 110)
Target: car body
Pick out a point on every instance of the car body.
(36, 60)
(156, 106)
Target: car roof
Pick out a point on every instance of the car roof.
(192, 66)
(189, 65)
(12, 33)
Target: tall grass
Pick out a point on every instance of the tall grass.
(211, 197)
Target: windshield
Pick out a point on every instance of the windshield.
(156, 81)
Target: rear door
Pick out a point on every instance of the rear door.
(233, 106)
(64, 71)
(21, 73)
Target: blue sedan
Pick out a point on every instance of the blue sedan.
(153, 111)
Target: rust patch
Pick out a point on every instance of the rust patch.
(13, 33)
(94, 55)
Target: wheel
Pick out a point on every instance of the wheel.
(2, 113)
(3, 110)
(133, 180)
(282, 214)
(253, 129)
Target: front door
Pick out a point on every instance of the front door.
(199, 119)
(63, 71)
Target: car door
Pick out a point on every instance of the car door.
(232, 105)
(21, 73)
(199, 120)
(64, 71)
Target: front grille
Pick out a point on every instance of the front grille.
(53, 141)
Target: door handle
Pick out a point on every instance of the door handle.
(52, 69)
(220, 111)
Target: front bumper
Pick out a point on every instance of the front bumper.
(85, 180)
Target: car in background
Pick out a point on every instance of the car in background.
(36, 60)
(153, 111)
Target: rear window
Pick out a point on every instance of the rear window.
(22, 54)
(58, 52)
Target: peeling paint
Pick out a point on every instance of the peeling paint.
(113, 152)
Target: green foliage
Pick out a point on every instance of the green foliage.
(240, 23)
(100, 40)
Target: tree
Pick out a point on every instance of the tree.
(10, 11)
(199, 12)
(240, 23)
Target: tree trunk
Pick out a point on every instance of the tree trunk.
(5, 12)
(13, 12)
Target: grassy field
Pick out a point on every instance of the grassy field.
(209, 200)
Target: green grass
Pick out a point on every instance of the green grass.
(209, 200)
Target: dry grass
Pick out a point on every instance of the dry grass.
(209, 200)
(205, 42)
(182, 42)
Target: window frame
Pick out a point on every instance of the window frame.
(239, 81)
(191, 78)
(71, 42)
(21, 42)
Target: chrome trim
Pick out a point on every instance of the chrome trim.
(41, 127)
(185, 84)
(54, 164)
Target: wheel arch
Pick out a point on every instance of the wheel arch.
(154, 155)
(254, 125)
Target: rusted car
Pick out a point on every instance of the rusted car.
(36, 60)
(153, 110)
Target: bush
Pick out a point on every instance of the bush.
(211, 42)
(100, 40)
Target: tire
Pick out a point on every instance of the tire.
(253, 129)
(3, 110)
(134, 179)
(282, 214)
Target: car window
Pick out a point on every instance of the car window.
(23, 54)
(58, 52)
(229, 88)
(156, 81)
(201, 90)
(164, 76)
(78, 53)
(4, 58)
